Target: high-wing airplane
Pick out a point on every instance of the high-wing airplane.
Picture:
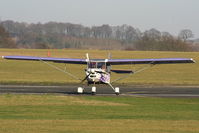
(98, 71)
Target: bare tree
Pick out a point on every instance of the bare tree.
(5, 40)
(185, 34)
(152, 34)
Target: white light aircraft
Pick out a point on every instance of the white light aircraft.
(98, 71)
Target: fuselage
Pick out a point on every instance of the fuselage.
(97, 72)
(97, 75)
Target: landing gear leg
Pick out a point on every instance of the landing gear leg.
(93, 91)
(116, 89)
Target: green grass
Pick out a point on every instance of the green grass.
(53, 113)
(88, 114)
(30, 72)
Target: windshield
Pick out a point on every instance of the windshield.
(101, 65)
(92, 65)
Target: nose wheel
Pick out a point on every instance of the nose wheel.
(93, 90)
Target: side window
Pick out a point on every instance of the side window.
(92, 65)
(101, 65)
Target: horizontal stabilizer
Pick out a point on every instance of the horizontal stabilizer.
(122, 71)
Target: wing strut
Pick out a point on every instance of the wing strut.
(59, 69)
(137, 71)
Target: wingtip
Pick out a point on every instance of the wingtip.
(193, 60)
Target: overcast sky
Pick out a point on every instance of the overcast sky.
(164, 15)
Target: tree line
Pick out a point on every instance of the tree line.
(68, 35)
(5, 40)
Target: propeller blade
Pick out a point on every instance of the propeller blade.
(101, 72)
(85, 77)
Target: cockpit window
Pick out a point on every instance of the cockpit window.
(97, 65)
(101, 65)
(92, 65)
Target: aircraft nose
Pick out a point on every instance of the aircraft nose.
(92, 76)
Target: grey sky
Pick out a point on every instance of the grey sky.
(164, 15)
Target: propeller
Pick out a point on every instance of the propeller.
(85, 77)
(101, 72)
(92, 73)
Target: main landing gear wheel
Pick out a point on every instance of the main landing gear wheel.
(80, 90)
(117, 91)
(93, 91)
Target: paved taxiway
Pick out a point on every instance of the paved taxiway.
(105, 90)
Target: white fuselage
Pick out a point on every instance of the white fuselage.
(97, 75)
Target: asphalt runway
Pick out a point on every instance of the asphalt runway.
(102, 90)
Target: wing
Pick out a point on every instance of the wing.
(57, 60)
(150, 61)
